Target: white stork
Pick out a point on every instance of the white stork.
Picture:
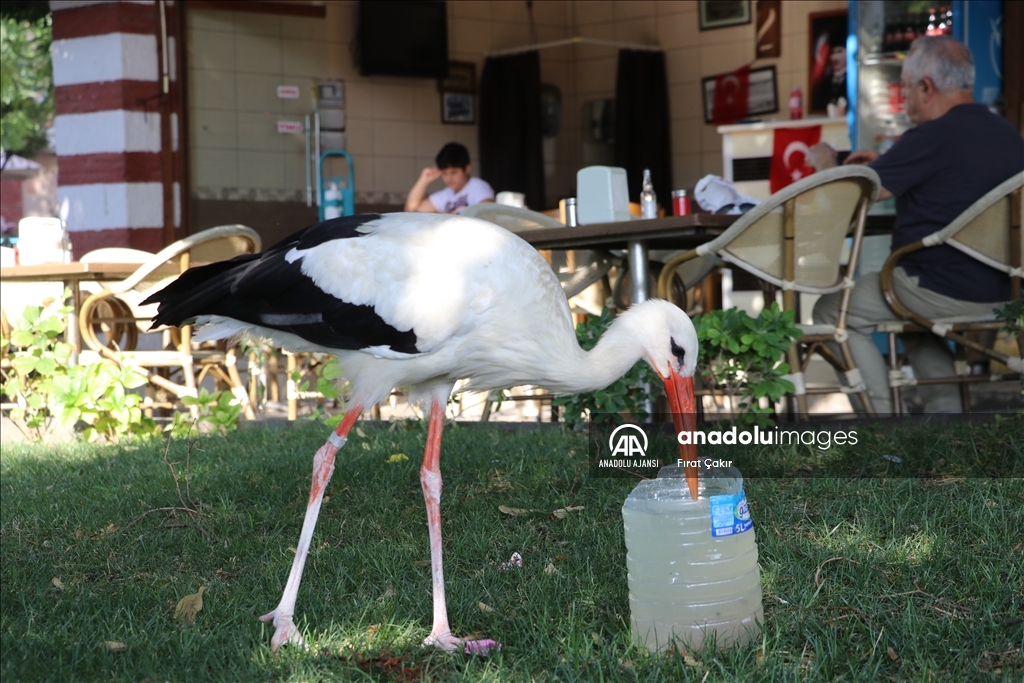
(420, 301)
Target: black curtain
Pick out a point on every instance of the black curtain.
(642, 123)
(511, 155)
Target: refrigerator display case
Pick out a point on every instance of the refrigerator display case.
(880, 33)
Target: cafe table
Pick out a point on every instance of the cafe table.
(72, 275)
(639, 236)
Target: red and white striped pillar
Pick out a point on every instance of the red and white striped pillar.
(108, 71)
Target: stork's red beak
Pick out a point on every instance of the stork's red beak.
(684, 416)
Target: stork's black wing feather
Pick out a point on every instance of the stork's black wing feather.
(266, 290)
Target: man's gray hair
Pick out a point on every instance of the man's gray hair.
(944, 59)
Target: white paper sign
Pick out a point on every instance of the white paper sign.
(288, 92)
(289, 127)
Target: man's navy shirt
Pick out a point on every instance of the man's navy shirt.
(936, 170)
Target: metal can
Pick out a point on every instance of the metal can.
(570, 212)
(680, 203)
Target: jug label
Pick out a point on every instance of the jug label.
(730, 515)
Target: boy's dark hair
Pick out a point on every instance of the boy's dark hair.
(452, 155)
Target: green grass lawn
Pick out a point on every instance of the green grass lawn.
(928, 583)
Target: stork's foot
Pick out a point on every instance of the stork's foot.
(284, 631)
(443, 641)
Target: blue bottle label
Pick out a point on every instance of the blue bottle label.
(730, 515)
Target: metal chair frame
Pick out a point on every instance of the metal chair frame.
(1010, 191)
(218, 362)
(816, 337)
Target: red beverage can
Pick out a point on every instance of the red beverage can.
(680, 203)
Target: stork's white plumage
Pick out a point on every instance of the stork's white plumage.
(420, 301)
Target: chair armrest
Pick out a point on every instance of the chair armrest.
(889, 292)
(665, 279)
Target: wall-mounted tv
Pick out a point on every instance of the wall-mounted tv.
(403, 38)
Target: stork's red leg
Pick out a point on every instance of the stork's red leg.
(430, 479)
(323, 467)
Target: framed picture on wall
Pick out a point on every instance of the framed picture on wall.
(722, 13)
(461, 78)
(826, 78)
(457, 107)
(762, 93)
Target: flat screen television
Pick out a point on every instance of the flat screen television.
(403, 38)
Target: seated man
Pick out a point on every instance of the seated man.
(957, 152)
(462, 191)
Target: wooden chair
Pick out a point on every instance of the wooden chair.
(793, 241)
(990, 231)
(177, 352)
(112, 318)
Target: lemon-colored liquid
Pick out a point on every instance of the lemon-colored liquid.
(685, 585)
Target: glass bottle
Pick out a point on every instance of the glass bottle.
(648, 200)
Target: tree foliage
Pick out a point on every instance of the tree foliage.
(26, 80)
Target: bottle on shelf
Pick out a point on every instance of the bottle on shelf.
(648, 200)
(332, 200)
(796, 104)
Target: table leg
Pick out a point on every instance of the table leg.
(638, 278)
(638, 271)
(74, 337)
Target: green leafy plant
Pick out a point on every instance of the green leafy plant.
(95, 397)
(744, 357)
(324, 376)
(219, 411)
(26, 81)
(1012, 314)
(627, 395)
(37, 355)
(99, 396)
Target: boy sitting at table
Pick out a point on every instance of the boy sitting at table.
(462, 189)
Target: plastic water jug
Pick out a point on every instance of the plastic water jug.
(693, 572)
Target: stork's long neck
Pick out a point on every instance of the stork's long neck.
(615, 353)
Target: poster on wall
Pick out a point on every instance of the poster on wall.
(826, 82)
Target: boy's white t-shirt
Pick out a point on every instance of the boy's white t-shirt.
(475, 191)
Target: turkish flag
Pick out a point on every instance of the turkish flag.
(732, 93)
(790, 148)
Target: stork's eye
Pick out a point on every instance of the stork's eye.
(679, 352)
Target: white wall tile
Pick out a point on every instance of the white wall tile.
(212, 129)
(210, 20)
(395, 138)
(305, 28)
(470, 9)
(214, 89)
(593, 11)
(677, 30)
(215, 168)
(257, 24)
(260, 170)
(258, 54)
(394, 174)
(305, 58)
(258, 132)
(393, 103)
